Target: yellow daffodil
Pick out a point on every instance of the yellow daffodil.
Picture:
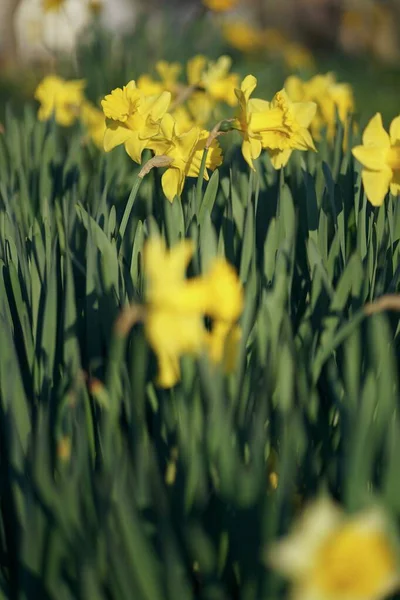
(214, 77)
(223, 296)
(212, 83)
(280, 126)
(176, 307)
(172, 328)
(220, 5)
(185, 149)
(330, 97)
(59, 98)
(379, 155)
(243, 36)
(168, 73)
(94, 121)
(330, 556)
(133, 118)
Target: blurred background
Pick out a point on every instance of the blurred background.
(109, 42)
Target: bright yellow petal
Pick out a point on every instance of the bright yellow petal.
(172, 183)
(251, 149)
(376, 185)
(115, 135)
(375, 134)
(134, 146)
(372, 157)
(279, 158)
(158, 105)
(304, 112)
(257, 105)
(395, 131)
(248, 86)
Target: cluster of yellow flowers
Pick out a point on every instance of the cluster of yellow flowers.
(176, 308)
(329, 96)
(66, 102)
(331, 556)
(169, 119)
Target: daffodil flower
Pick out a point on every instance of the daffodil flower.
(60, 98)
(185, 151)
(280, 126)
(332, 98)
(94, 121)
(168, 73)
(330, 556)
(176, 307)
(379, 154)
(133, 118)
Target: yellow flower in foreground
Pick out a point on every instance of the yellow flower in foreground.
(133, 118)
(185, 149)
(176, 307)
(220, 5)
(243, 36)
(380, 157)
(94, 121)
(59, 98)
(333, 557)
(280, 126)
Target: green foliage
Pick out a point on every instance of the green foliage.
(113, 488)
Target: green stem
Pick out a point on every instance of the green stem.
(129, 206)
(199, 187)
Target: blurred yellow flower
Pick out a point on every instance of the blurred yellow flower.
(185, 149)
(243, 36)
(176, 307)
(330, 97)
(94, 121)
(50, 5)
(224, 298)
(169, 75)
(214, 77)
(211, 82)
(171, 331)
(220, 5)
(279, 126)
(133, 118)
(379, 154)
(330, 556)
(59, 98)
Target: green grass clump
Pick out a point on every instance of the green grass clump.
(112, 488)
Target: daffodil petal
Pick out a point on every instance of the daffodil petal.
(115, 135)
(376, 185)
(280, 158)
(395, 131)
(375, 134)
(134, 146)
(372, 157)
(172, 183)
(304, 112)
